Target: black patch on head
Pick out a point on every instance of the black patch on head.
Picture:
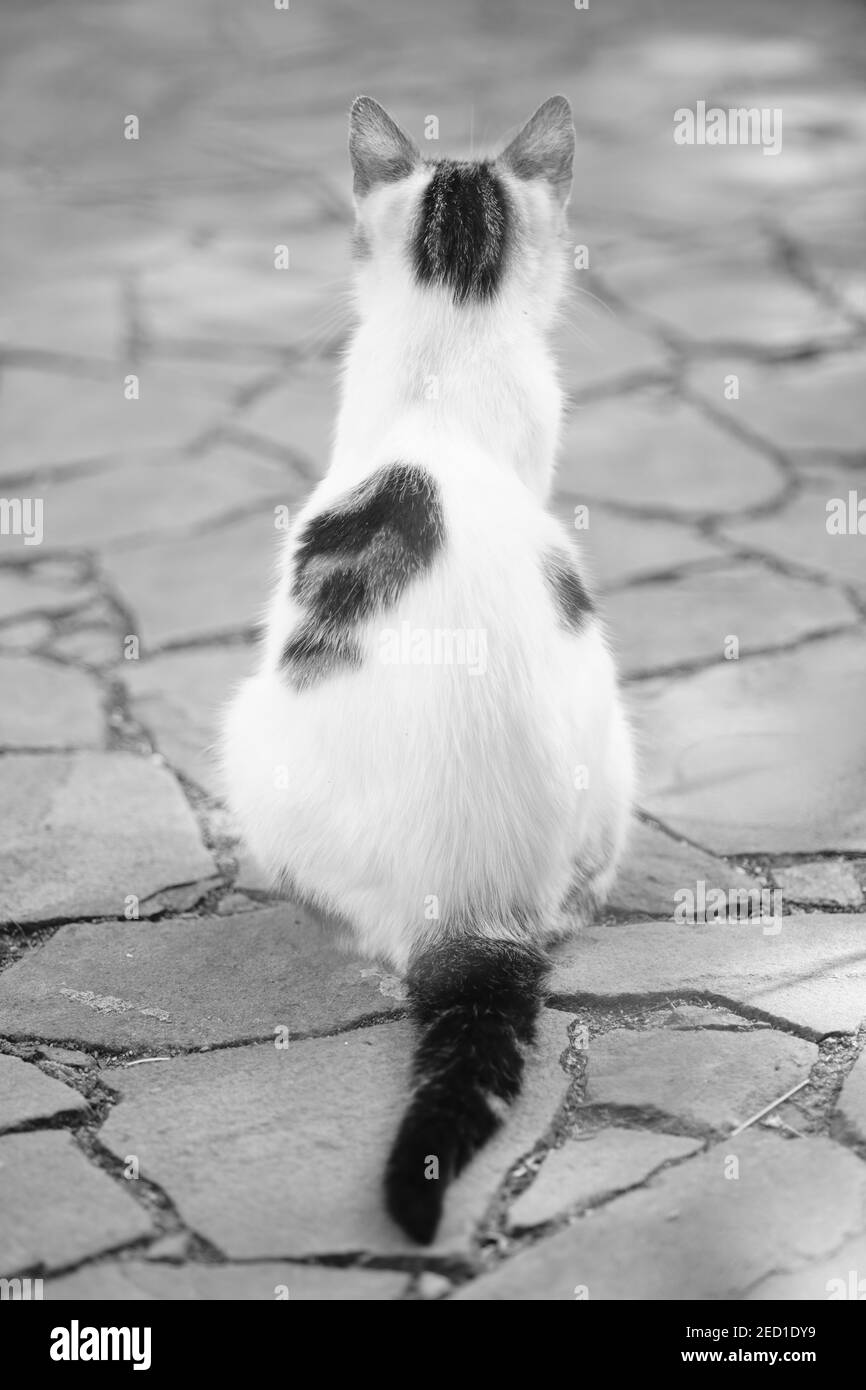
(476, 1002)
(573, 603)
(462, 231)
(354, 560)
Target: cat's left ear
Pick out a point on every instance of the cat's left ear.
(544, 148)
(379, 150)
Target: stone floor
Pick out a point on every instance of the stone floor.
(154, 1141)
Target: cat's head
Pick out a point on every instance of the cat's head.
(470, 232)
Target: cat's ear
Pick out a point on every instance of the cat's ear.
(544, 148)
(379, 150)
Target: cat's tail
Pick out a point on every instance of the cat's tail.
(476, 1002)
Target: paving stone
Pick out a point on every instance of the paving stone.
(46, 705)
(66, 1056)
(93, 644)
(852, 1102)
(184, 588)
(655, 867)
(136, 1280)
(83, 831)
(732, 304)
(33, 589)
(179, 697)
(841, 1276)
(52, 421)
(622, 549)
(599, 347)
(812, 404)
(432, 1285)
(144, 496)
(229, 291)
(296, 1139)
(56, 1208)
(761, 756)
(798, 535)
(25, 635)
(711, 1079)
(76, 314)
(297, 417)
(190, 982)
(820, 881)
(173, 1248)
(692, 617)
(693, 1233)
(812, 973)
(26, 1093)
(660, 454)
(593, 1166)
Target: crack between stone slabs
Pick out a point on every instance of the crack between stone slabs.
(135, 337)
(649, 511)
(270, 449)
(683, 570)
(117, 1054)
(647, 818)
(209, 887)
(727, 420)
(687, 348)
(159, 1206)
(817, 1103)
(518, 1239)
(59, 363)
(796, 261)
(33, 479)
(796, 569)
(449, 1266)
(803, 350)
(42, 1271)
(690, 668)
(55, 617)
(602, 1017)
(209, 350)
(576, 1000)
(627, 384)
(758, 863)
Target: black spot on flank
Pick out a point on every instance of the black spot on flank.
(572, 600)
(462, 231)
(354, 560)
(309, 656)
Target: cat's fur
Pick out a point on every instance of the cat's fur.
(459, 818)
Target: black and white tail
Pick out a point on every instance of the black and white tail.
(476, 1002)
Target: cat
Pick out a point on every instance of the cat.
(461, 815)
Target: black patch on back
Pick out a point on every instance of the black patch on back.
(573, 603)
(354, 560)
(462, 231)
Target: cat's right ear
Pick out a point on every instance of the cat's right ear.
(544, 148)
(379, 150)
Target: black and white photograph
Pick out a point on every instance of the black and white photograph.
(433, 662)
